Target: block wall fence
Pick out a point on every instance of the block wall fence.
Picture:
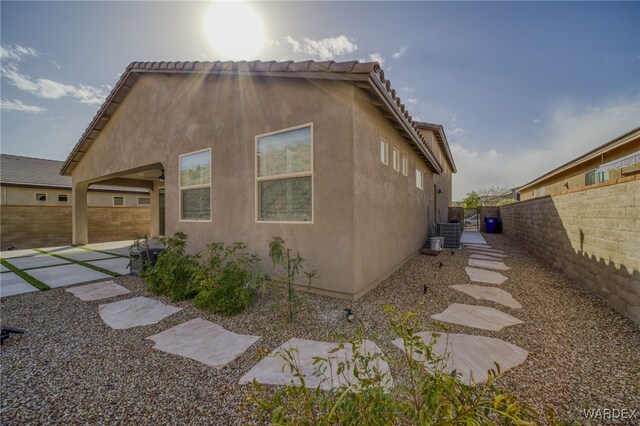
(45, 226)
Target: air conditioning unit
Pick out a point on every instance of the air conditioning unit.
(451, 233)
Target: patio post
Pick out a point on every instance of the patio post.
(79, 213)
(155, 210)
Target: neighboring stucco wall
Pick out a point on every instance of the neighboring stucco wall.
(45, 226)
(592, 236)
(26, 196)
(165, 116)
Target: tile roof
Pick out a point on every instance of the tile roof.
(441, 137)
(40, 172)
(368, 76)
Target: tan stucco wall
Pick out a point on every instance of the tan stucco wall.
(26, 196)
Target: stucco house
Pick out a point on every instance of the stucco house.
(35, 206)
(323, 154)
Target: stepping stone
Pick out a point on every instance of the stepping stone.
(472, 356)
(471, 245)
(203, 341)
(88, 255)
(474, 316)
(36, 261)
(273, 370)
(485, 256)
(135, 312)
(492, 294)
(486, 250)
(12, 284)
(98, 291)
(60, 276)
(119, 265)
(489, 264)
(484, 253)
(484, 276)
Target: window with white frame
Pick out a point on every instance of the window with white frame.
(143, 201)
(396, 159)
(41, 196)
(195, 186)
(405, 166)
(284, 175)
(419, 184)
(118, 201)
(63, 198)
(384, 151)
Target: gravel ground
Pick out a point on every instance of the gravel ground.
(70, 368)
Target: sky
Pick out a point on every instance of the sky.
(520, 87)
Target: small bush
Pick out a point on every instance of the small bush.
(176, 274)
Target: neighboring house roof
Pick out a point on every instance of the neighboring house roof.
(612, 144)
(40, 172)
(367, 76)
(441, 137)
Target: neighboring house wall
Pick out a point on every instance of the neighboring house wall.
(26, 196)
(592, 236)
(48, 225)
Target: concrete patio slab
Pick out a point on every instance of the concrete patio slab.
(489, 264)
(484, 276)
(119, 265)
(486, 256)
(472, 356)
(64, 250)
(486, 253)
(113, 245)
(88, 255)
(9, 254)
(60, 276)
(203, 341)
(36, 261)
(474, 316)
(273, 370)
(135, 312)
(492, 294)
(11, 284)
(472, 237)
(3, 268)
(98, 291)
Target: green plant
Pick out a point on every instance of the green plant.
(232, 279)
(472, 200)
(288, 269)
(428, 396)
(176, 273)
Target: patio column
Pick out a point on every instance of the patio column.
(155, 210)
(79, 213)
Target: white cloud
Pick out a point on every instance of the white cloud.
(377, 57)
(412, 101)
(406, 89)
(326, 48)
(536, 121)
(55, 64)
(16, 52)
(49, 89)
(399, 53)
(16, 105)
(456, 131)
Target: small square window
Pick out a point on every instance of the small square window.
(419, 178)
(143, 201)
(41, 197)
(63, 198)
(384, 151)
(405, 166)
(118, 201)
(396, 159)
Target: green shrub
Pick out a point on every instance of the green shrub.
(232, 279)
(429, 396)
(176, 274)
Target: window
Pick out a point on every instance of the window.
(118, 201)
(195, 186)
(595, 176)
(41, 197)
(384, 151)
(418, 178)
(143, 201)
(63, 198)
(396, 160)
(405, 166)
(284, 176)
(542, 190)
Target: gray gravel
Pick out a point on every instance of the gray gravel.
(70, 368)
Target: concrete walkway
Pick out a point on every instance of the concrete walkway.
(472, 237)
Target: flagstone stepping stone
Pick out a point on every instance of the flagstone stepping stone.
(482, 317)
(492, 294)
(485, 250)
(485, 256)
(472, 245)
(472, 356)
(98, 291)
(12, 284)
(484, 276)
(119, 265)
(60, 276)
(203, 341)
(273, 370)
(484, 253)
(135, 312)
(489, 264)
(37, 261)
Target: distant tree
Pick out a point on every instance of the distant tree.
(495, 195)
(471, 201)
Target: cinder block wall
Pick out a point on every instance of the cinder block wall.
(591, 236)
(42, 226)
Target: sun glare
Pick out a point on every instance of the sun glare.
(234, 30)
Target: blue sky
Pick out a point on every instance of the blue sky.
(520, 87)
